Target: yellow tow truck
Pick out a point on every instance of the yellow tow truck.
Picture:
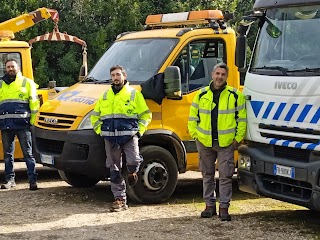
(168, 61)
(21, 50)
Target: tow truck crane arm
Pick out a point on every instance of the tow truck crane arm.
(27, 20)
(24, 21)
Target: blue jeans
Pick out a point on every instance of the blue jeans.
(25, 139)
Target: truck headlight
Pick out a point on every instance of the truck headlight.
(244, 162)
(86, 122)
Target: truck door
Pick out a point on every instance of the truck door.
(196, 61)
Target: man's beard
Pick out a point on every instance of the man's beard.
(12, 75)
(118, 85)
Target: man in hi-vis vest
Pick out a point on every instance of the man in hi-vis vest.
(121, 116)
(19, 104)
(217, 122)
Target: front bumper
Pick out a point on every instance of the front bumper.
(303, 190)
(80, 151)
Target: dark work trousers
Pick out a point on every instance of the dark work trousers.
(114, 163)
(25, 139)
(207, 159)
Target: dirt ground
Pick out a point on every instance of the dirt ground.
(58, 211)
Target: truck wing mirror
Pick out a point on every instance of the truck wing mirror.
(241, 44)
(172, 82)
(241, 49)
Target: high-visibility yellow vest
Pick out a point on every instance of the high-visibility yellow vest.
(19, 103)
(231, 123)
(118, 117)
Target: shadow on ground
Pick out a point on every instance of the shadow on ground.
(263, 225)
(44, 173)
(62, 203)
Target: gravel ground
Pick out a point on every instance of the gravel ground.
(58, 211)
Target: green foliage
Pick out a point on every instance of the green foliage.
(98, 22)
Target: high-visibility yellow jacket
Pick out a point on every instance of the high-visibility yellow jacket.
(118, 117)
(231, 123)
(19, 103)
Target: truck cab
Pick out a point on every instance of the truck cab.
(20, 51)
(281, 159)
(168, 61)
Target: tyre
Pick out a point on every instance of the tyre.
(77, 180)
(157, 177)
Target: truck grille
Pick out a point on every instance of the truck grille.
(287, 186)
(48, 146)
(278, 133)
(55, 121)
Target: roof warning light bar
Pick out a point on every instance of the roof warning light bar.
(186, 18)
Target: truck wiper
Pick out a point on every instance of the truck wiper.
(90, 79)
(103, 81)
(306, 70)
(282, 69)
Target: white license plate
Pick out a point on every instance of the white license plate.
(47, 159)
(284, 171)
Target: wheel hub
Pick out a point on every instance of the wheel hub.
(155, 176)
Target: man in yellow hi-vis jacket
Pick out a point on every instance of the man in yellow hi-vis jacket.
(217, 122)
(19, 104)
(121, 116)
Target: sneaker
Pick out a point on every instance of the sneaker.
(33, 186)
(132, 179)
(8, 185)
(224, 214)
(118, 205)
(209, 212)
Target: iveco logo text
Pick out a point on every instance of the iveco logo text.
(52, 121)
(285, 85)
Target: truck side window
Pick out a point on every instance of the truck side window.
(196, 62)
(183, 62)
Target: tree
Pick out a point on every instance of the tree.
(98, 22)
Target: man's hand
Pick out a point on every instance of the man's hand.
(139, 135)
(235, 144)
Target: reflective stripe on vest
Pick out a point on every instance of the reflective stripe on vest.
(20, 115)
(118, 133)
(109, 116)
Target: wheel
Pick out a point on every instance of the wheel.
(77, 180)
(158, 176)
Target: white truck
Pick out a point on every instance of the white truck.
(281, 157)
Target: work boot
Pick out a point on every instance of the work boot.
(33, 186)
(118, 205)
(8, 185)
(224, 214)
(132, 179)
(209, 212)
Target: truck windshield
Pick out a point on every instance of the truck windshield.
(141, 58)
(288, 42)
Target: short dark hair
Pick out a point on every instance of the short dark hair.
(114, 67)
(11, 60)
(221, 65)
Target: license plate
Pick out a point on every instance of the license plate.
(284, 171)
(47, 159)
